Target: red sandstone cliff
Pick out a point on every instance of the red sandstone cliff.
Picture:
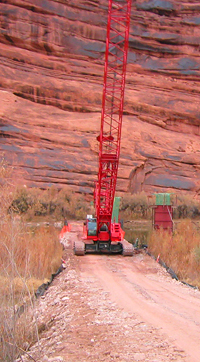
(51, 68)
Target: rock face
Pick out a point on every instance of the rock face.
(51, 77)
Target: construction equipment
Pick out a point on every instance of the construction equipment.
(102, 234)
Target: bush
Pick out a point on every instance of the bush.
(20, 205)
(51, 202)
(186, 207)
(135, 206)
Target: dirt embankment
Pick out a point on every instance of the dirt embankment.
(112, 308)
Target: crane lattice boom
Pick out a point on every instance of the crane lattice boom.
(112, 108)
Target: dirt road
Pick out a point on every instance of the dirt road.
(139, 286)
(115, 308)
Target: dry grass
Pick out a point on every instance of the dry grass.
(27, 256)
(18, 331)
(180, 251)
(28, 252)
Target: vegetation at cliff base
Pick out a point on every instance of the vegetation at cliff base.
(53, 204)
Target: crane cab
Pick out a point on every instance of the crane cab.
(90, 228)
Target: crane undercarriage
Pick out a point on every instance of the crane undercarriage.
(121, 247)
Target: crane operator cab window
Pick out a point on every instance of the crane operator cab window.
(92, 226)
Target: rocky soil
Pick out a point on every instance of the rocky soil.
(51, 77)
(83, 316)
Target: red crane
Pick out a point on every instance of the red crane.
(102, 233)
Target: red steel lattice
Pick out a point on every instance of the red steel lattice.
(112, 108)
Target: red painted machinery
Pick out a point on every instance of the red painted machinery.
(102, 234)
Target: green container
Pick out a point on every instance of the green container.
(163, 199)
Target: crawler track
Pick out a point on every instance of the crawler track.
(79, 248)
(128, 249)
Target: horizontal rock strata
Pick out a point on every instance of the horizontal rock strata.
(51, 77)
